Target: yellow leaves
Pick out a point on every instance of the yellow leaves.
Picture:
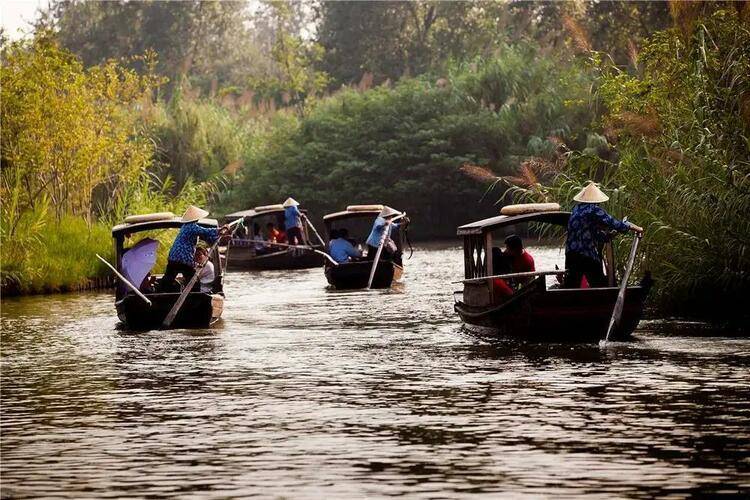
(66, 130)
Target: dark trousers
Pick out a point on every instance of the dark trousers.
(168, 282)
(292, 233)
(579, 266)
(384, 255)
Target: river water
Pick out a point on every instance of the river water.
(306, 392)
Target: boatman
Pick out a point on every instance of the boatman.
(292, 221)
(588, 228)
(181, 255)
(376, 235)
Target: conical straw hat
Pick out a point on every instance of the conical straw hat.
(290, 202)
(388, 212)
(591, 194)
(193, 213)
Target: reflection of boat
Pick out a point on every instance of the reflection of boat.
(350, 275)
(537, 310)
(200, 309)
(242, 253)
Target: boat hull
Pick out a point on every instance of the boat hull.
(243, 258)
(354, 275)
(200, 310)
(559, 315)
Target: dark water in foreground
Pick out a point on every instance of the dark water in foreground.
(303, 392)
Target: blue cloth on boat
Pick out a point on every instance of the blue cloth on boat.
(183, 248)
(587, 229)
(341, 249)
(377, 231)
(292, 217)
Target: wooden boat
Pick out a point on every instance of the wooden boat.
(538, 310)
(200, 310)
(242, 253)
(356, 274)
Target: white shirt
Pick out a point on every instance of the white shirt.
(206, 277)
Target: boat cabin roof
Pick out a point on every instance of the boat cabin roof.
(257, 212)
(173, 222)
(483, 226)
(354, 211)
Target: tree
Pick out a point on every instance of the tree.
(208, 41)
(66, 130)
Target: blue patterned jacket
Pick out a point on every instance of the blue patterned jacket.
(587, 229)
(183, 248)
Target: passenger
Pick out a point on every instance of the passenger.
(501, 264)
(378, 227)
(340, 248)
(206, 276)
(274, 235)
(521, 260)
(586, 227)
(292, 221)
(181, 255)
(259, 243)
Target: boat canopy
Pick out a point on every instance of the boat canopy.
(166, 223)
(483, 226)
(354, 211)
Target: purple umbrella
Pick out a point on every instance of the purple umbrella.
(138, 261)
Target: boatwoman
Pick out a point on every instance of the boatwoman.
(182, 253)
(588, 228)
(292, 221)
(376, 234)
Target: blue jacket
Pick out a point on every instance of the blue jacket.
(183, 248)
(340, 250)
(292, 217)
(586, 229)
(377, 231)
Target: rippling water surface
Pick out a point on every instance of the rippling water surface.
(306, 392)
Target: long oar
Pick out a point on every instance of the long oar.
(383, 238)
(189, 287)
(310, 224)
(617, 312)
(125, 280)
(306, 247)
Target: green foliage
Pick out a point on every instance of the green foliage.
(195, 138)
(53, 255)
(404, 145)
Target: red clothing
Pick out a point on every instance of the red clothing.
(523, 263)
(501, 288)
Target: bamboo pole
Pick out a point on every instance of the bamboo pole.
(125, 280)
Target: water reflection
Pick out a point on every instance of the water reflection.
(307, 392)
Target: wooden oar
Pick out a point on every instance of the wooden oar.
(306, 247)
(189, 287)
(513, 275)
(617, 312)
(314, 230)
(383, 239)
(125, 280)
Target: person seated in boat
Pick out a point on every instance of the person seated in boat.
(520, 260)
(259, 244)
(382, 221)
(587, 223)
(501, 264)
(182, 254)
(206, 271)
(340, 248)
(274, 236)
(292, 222)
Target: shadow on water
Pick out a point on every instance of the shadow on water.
(302, 391)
